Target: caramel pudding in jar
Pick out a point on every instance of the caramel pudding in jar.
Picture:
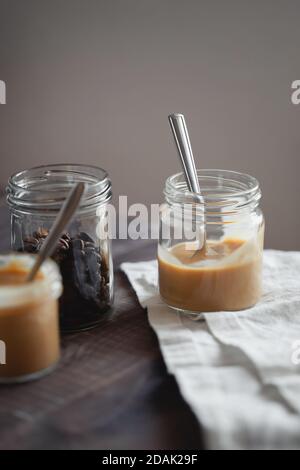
(29, 331)
(224, 275)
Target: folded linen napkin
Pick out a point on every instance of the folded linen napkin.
(238, 371)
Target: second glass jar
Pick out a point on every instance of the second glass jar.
(84, 251)
(224, 272)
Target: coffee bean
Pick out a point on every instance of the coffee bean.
(31, 244)
(31, 240)
(42, 233)
(63, 244)
(66, 237)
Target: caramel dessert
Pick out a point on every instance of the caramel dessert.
(224, 275)
(28, 323)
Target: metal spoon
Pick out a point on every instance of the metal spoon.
(184, 147)
(63, 219)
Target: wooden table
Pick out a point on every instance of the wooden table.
(111, 389)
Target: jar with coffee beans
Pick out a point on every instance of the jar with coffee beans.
(84, 251)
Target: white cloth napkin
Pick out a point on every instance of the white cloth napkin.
(238, 371)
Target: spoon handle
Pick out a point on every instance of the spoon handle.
(183, 143)
(184, 147)
(63, 219)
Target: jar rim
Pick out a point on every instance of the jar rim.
(218, 187)
(47, 186)
(51, 284)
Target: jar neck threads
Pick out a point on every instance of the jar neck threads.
(223, 192)
(45, 188)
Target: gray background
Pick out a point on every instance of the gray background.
(93, 82)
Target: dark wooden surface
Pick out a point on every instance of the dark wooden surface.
(111, 389)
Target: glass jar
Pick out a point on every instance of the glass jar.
(84, 251)
(226, 273)
(29, 330)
